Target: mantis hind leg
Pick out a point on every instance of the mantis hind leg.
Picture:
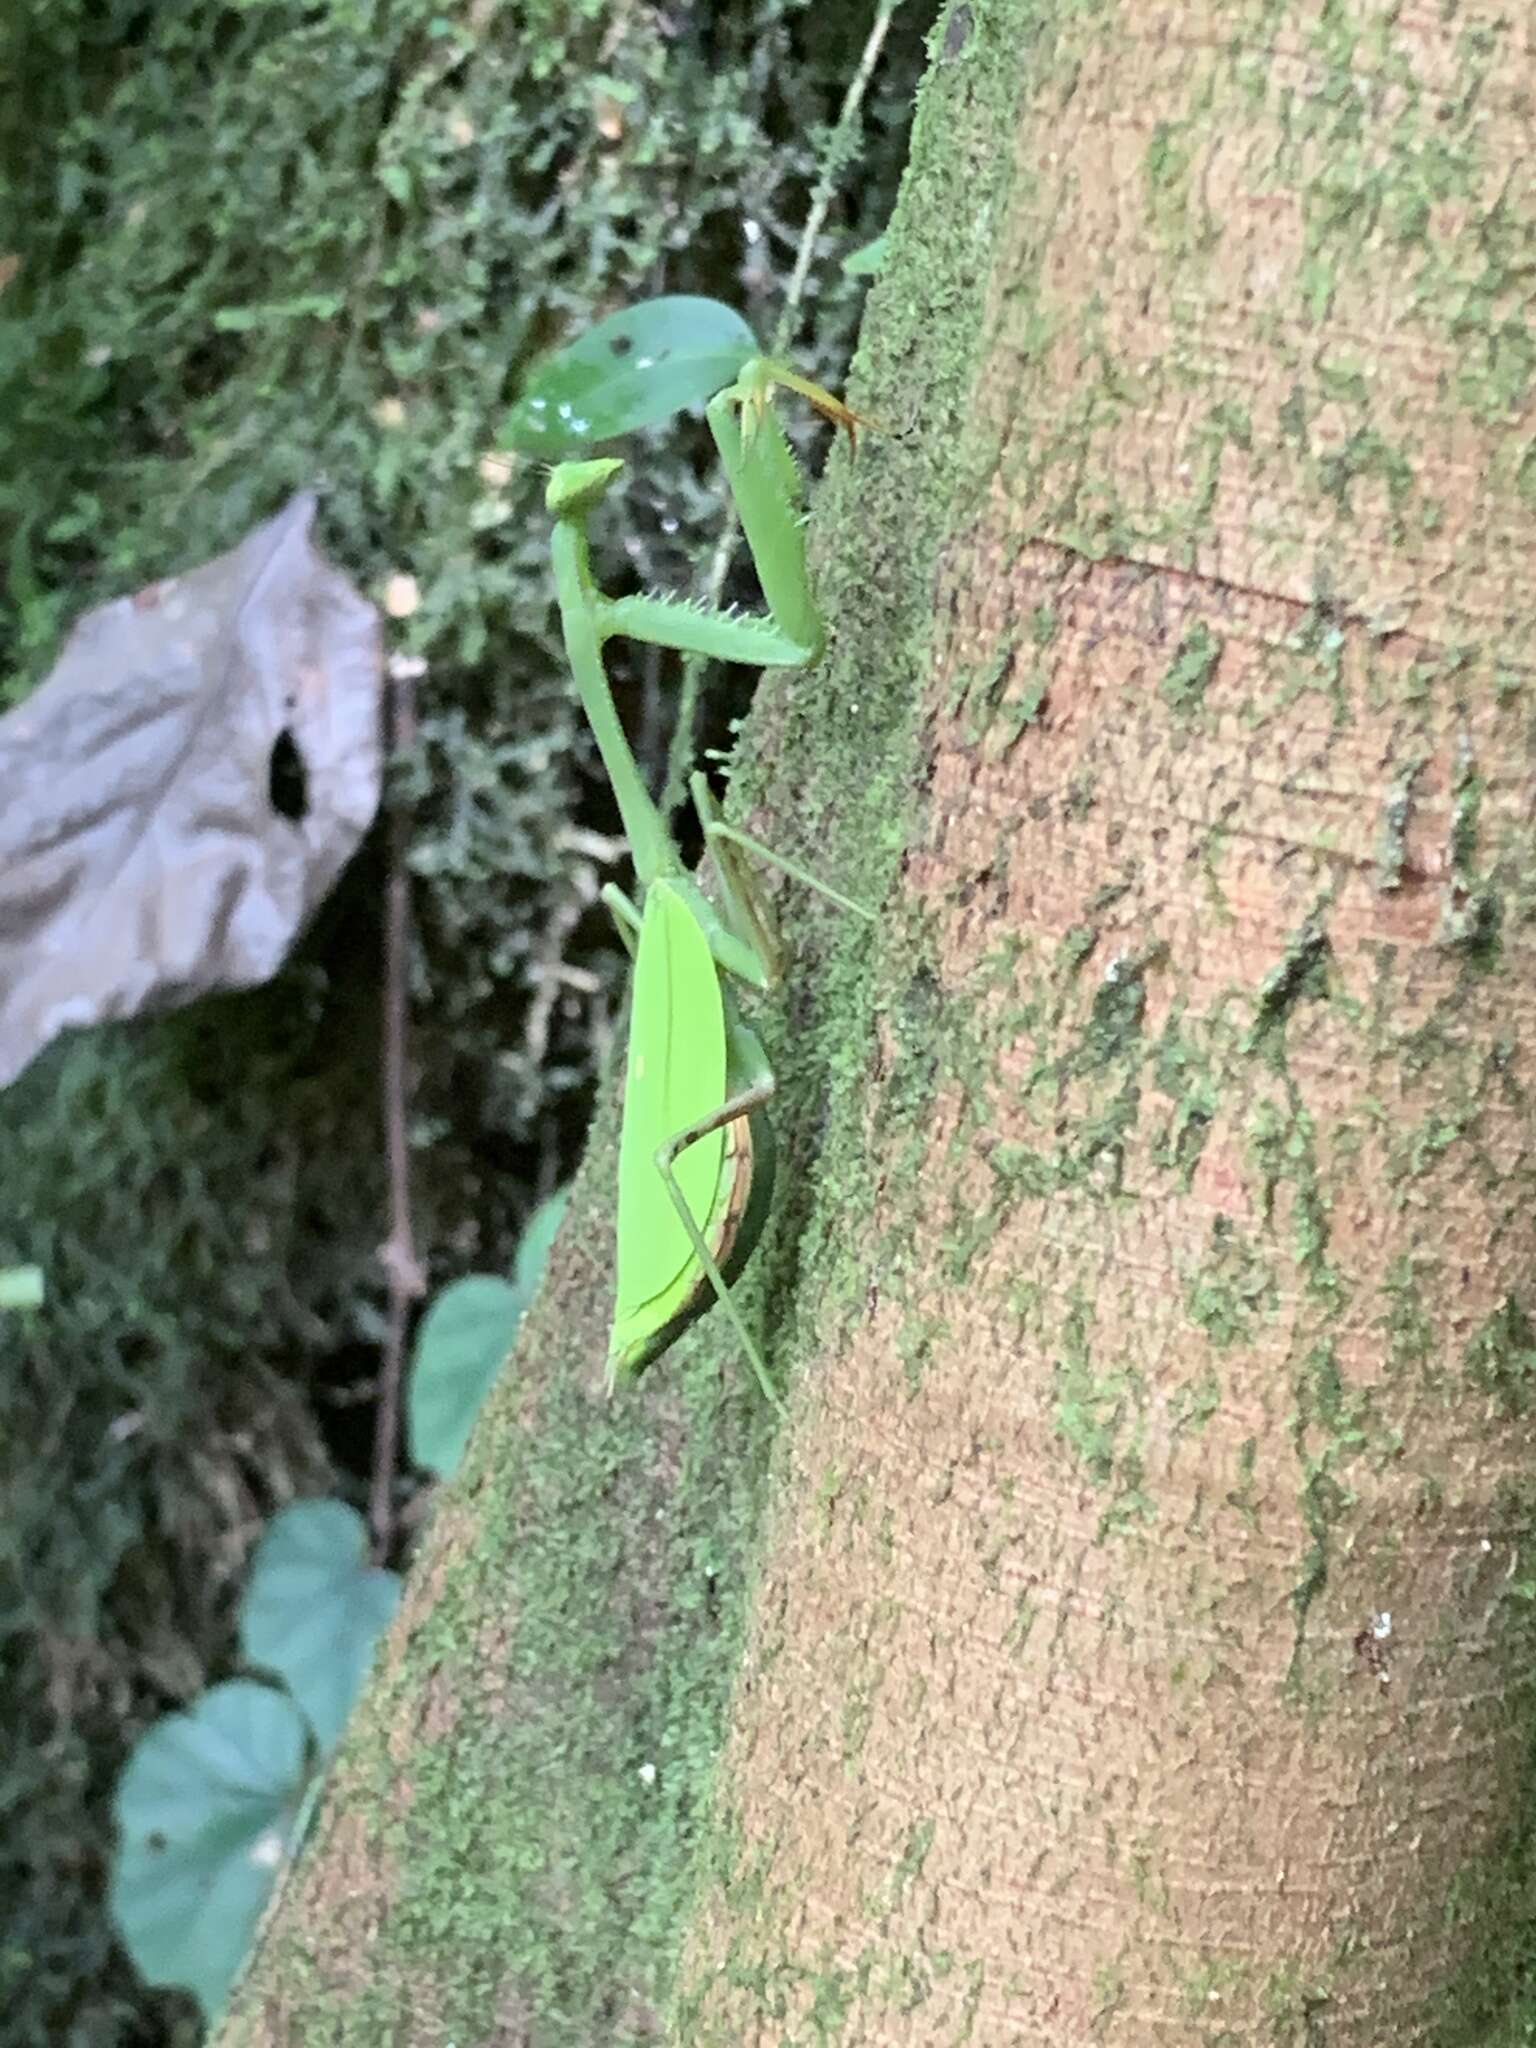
(745, 1104)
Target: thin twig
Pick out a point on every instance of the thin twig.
(680, 752)
(402, 1268)
(831, 168)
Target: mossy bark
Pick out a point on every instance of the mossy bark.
(1136, 1647)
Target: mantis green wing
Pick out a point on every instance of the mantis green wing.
(676, 1077)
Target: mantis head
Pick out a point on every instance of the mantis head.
(577, 486)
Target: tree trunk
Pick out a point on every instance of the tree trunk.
(1137, 1647)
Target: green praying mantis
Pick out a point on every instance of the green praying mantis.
(696, 1150)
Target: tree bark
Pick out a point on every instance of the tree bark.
(1143, 1647)
(1137, 1647)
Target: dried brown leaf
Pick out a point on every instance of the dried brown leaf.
(142, 859)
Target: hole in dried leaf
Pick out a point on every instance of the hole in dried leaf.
(287, 783)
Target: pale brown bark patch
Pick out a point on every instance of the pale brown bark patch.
(1133, 1764)
(1139, 1649)
(1201, 194)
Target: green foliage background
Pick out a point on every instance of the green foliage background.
(256, 246)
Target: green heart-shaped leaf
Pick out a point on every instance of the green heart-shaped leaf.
(629, 371)
(206, 1808)
(867, 261)
(463, 1343)
(314, 1608)
(460, 1347)
(534, 1245)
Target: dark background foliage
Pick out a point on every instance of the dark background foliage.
(250, 249)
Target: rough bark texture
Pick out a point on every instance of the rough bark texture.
(1143, 1646)
(1139, 1646)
